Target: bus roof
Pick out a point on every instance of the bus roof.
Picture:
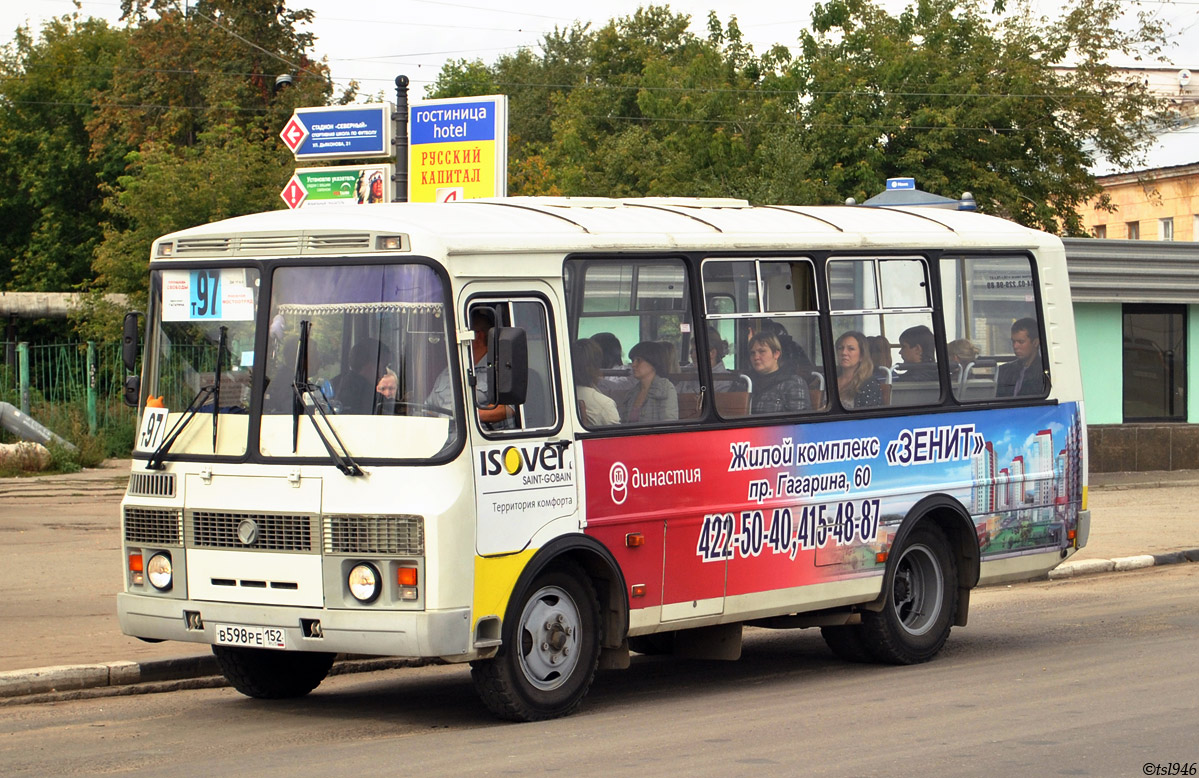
(527, 224)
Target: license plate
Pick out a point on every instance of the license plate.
(250, 637)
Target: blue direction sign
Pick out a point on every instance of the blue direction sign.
(340, 132)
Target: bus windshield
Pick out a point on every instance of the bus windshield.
(375, 339)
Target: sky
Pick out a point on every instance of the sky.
(373, 41)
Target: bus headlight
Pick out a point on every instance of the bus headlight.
(363, 582)
(159, 572)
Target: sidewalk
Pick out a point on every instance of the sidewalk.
(60, 569)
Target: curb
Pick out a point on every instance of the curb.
(33, 685)
(1121, 564)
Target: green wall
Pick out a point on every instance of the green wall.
(1100, 330)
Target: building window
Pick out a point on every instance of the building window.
(1155, 363)
(1134, 230)
(1165, 229)
(1099, 231)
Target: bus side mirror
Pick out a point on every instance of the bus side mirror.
(132, 390)
(510, 347)
(129, 335)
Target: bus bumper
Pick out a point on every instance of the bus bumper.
(444, 634)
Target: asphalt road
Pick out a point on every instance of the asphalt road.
(1090, 676)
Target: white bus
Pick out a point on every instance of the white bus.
(537, 434)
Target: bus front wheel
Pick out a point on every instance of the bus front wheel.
(920, 602)
(550, 651)
(272, 675)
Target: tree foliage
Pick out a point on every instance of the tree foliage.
(961, 94)
(50, 201)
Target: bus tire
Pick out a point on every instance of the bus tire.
(550, 651)
(272, 675)
(847, 642)
(920, 602)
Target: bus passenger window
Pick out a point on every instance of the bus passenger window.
(993, 327)
(777, 359)
(638, 314)
(883, 324)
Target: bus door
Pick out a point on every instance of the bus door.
(524, 466)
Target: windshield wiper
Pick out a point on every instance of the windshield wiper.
(222, 344)
(158, 457)
(309, 399)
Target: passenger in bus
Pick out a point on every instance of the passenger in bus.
(962, 354)
(501, 417)
(775, 390)
(386, 389)
(653, 397)
(918, 355)
(598, 409)
(794, 358)
(618, 382)
(723, 379)
(856, 383)
(1024, 375)
(961, 351)
(354, 390)
(880, 356)
(611, 352)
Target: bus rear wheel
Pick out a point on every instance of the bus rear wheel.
(550, 651)
(920, 601)
(272, 675)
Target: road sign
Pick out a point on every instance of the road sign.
(459, 149)
(340, 132)
(294, 193)
(345, 184)
(294, 133)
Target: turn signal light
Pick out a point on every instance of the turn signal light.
(638, 590)
(406, 576)
(634, 539)
(137, 567)
(881, 557)
(1071, 534)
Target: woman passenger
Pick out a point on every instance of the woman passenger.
(855, 373)
(775, 391)
(599, 409)
(653, 397)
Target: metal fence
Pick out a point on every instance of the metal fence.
(72, 388)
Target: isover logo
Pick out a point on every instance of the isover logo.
(537, 464)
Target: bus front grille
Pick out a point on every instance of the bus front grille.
(250, 531)
(154, 526)
(391, 535)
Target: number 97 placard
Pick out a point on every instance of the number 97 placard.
(152, 430)
(206, 295)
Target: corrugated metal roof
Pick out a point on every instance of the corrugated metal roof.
(1132, 271)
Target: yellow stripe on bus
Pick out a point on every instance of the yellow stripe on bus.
(495, 578)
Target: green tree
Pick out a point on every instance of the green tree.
(50, 202)
(966, 100)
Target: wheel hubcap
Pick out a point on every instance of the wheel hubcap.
(918, 591)
(549, 630)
